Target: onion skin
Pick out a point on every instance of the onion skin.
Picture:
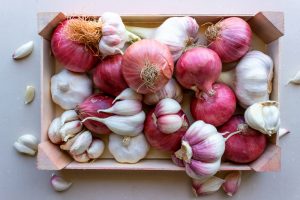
(162, 141)
(216, 109)
(108, 76)
(198, 69)
(74, 56)
(138, 57)
(243, 147)
(233, 40)
(89, 108)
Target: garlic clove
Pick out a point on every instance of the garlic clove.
(124, 107)
(232, 183)
(67, 146)
(59, 184)
(81, 143)
(29, 94)
(23, 51)
(128, 94)
(272, 118)
(167, 106)
(197, 169)
(70, 129)
(206, 186)
(82, 158)
(169, 123)
(69, 115)
(96, 149)
(27, 144)
(295, 79)
(53, 131)
(282, 132)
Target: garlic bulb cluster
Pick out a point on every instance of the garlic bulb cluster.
(176, 32)
(171, 90)
(201, 150)
(114, 34)
(251, 79)
(264, 117)
(67, 130)
(69, 89)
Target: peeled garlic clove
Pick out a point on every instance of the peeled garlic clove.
(53, 131)
(81, 143)
(70, 129)
(167, 106)
(264, 117)
(69, 115)
(232, 183)
(169, 123)
(206, 186)
(124, 107)
(67, 146)
(23, 51)
(82, 158)
(123, 125)
(27, 144)
(128, 94)
(59, 184)
(295, 79)
(96, 149)
(29, 94)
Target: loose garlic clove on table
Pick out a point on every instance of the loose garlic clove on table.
(27, 144)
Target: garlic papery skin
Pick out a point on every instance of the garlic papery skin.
(123, 125)
(167, 106)
(175, 32)
(67, 145)
(264, 117)
(53, 131)
(96, 149)
(69, 89)
(70, 129)
(27, 144)
(67, 116)
(251, 79)
(114, 35)
(124, 107)
(206, 186)
(128, 94)
(128, 149)
(59, 184)
(171, 90)
(169, 123)
(81, 143)
(232, 183)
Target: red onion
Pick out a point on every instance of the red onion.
(89, 108)
(215, 109)
(245, 146)
(198, 69)
(108, 76)
(74, 56)
(230, 38)
(147, 66)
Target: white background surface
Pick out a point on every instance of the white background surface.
(19, 178)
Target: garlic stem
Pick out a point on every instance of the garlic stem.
(241, 128)
(145, 33)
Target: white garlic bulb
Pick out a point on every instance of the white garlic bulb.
(264, 117)
(128, 149)
(69, 89)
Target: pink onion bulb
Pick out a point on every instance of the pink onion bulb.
(198, 69)
(230, 38)
(217, 108)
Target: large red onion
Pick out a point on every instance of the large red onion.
(230, 38)
(198, 69)
(245, 146)
(147, 66)
(215, 109)
(89, 108)
(108, 75)
(74, 56)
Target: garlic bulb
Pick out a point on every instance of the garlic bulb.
(69, 89)
(114, 34)
(171, 90)
(176, 32)
(128, 149)
(264, 117)
(251, 79)
(201, 150)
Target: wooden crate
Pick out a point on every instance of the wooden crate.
(267, 28)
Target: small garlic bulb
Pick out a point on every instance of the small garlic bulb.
(264, 117)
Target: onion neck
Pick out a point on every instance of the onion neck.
(149, 74)
(145, 33)
(240, 129)
(228, 78)
(212, 32)
(185, 153)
